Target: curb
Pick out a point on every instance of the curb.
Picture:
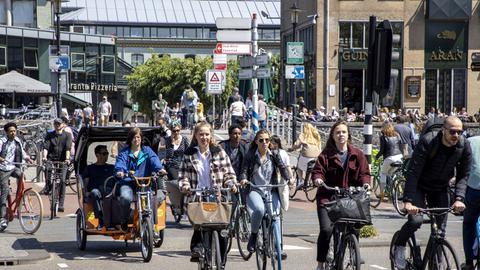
(35, 251)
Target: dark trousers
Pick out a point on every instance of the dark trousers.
(470, 217)
(326, 230)
(63, 176)
(184, 117)
(96, 197)
(4, 188)
(434, 200)
(197, 242)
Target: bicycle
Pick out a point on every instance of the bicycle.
(27, 206)
(306, 185)
(436, 253)
(239, 227)
(55, 170)
(344, 239)
(269, 238)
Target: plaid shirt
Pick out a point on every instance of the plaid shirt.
(221, 170)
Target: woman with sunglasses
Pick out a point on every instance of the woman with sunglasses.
(339, 165)
(175, 147)
(260, 167)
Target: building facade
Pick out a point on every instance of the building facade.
(438, 38)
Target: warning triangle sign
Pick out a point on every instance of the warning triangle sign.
(214, 78)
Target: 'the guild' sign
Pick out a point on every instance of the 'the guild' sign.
(355, 56)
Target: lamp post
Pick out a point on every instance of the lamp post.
(58, 9)
(294, 11)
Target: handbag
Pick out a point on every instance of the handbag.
(350, 207)
(209, 214)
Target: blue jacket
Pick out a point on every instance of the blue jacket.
(474, 178)
(146, 163)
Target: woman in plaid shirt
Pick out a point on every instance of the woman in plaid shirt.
(205, 164)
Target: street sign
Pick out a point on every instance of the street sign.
(59, 63)
(220, 66)
(245, 74)
(294, 52)
(263, 73)
(52, 50)
(219, 58)
(234, 35)
(214, 81)
(233, 23)
(234, 48)
(246, 61)
(135, 107)
(294, 72)
(261, 60)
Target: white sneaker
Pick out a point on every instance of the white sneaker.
(399, 257)
(3, 224)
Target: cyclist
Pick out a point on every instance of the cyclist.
(205, 165)
(11, 151)
(175, 147)
(340, 164)
(390, 150)
(235, 148)
(472, 202)
(260, 167)
(57, 147)
(435, 160)
(94, 176)
(140, 160)
(189, 102)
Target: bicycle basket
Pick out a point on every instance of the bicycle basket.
(352, 207)
(209, 214)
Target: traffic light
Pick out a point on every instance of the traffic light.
(475, 62)
(384, 54)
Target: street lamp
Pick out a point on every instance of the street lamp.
(294, 11)
(58, 10)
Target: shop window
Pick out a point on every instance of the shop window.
(345, 34)
(77, 77)
(78, 62)
(30, 59)
(108, 64)
(3, 57)
(357, 35)
(137, 59)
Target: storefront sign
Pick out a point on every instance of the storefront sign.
(348, 56)
(446, 45)
(82, 87)
(441, 55)
(414, 86)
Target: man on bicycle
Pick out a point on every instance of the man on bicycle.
(57, 148)
(435, 160)
(11, 153)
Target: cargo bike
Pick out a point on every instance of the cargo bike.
(148, 218)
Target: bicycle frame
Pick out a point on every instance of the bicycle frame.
(13, 204)
(340, 231)
(435, 236)
(144, 200)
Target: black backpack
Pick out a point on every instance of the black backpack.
(431, 128)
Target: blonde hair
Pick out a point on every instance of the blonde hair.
(388, 130)
(197, 128)
(310, 135)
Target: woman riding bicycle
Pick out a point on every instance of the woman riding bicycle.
(311, 145)
(175, 147)
(390, 150)
(140, 160)
(340, 164)
(260, 167)
(205, 165)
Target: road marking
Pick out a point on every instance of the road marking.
(62, 265)
(285, 247)
(91, 257)
(378, 267)
(70, 215)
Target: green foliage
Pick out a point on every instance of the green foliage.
(170, 76)
(368, 231)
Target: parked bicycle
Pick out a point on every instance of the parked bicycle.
(344, 250)
(27, 206)
(439, 253)
(306, 185)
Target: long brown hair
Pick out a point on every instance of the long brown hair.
(134, 131)
(331, 142)
(197, 128)
(388, 130)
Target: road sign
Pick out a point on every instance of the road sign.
(294, 72)
(219, 58)
(233, 23)
(263, 73)
(261, 60)
(214, 81)
(220, 66)
(245, 74)
(294, 52)
(234, 48)
(234, 35)
(246, 61)
(59, 63)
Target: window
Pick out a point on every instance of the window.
(78, 62)
(110, 30)
(108, 64)
(163, 32)
(268, 34)
(206, 33)
(137, 59)
(24, 13)
(357, 35)
(189, 33)
(213, 35)
(30, 59)
(3, 56)
(136, 32)
(345, 34)
(146, 32)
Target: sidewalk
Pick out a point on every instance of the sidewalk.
(16, 250)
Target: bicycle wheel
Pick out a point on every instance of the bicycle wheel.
(310, 190)
(158, 239)
(81, 234)
(71, 180)
(54, 193)
(275, 247)
(30, 211)
(262, 249)
(350, 254)
(292, 189)
(442, 256)
(216, 258)
(409, 254)
(397, 197)
(330, 260)
(242, 233)
(147, 239)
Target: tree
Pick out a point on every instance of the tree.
(170, 76)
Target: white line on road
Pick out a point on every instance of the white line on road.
(62, 265)
(378, 267)
(285, 247)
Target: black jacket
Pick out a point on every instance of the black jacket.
(242, 152)
(432, 166)
(251, 160)
(389, 146)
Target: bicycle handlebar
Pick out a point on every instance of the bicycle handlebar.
(340, 190)
(267, 185)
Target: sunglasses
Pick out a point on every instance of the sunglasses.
(176, 130)
(453, 132)
(264, 140)
(103, 153)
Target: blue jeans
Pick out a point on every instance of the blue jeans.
(95, 197)
(125, 198)
(257, 208)
(470, 216)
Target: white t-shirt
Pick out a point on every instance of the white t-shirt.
(105, 107)
(88, 112)
(262, 110)
(204, 170)
(284, 156)
(237, 108)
